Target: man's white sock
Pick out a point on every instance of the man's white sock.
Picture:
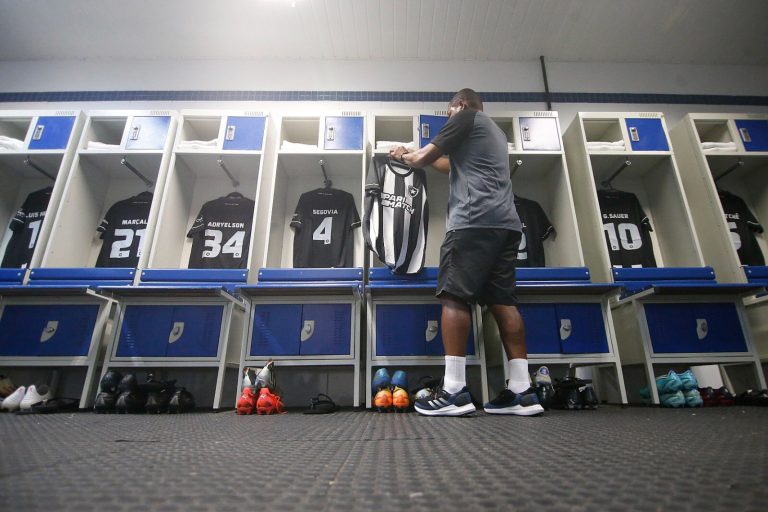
(519, 380)
(455, 373)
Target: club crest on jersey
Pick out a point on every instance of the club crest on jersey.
(414, 191)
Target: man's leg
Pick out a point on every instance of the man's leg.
(455, 322)
(512, 330)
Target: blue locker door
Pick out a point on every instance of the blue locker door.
(148, 132)
(144, 332)
(674, 329)
(195, 331)
(435, 345)
(647, 134)
(540, 328)
(276, 330)
(724, 332)
(400, 330)
(581, 329)
(244, 133)
(342, 132)
(47, 330)
(539, 133)
(429, 126)
(329, 325)
(52, 132)
(753, 133)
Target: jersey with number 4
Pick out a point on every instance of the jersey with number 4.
(25, 225)
(323, 224)
(221, 233)
(742, 226)
(536, 229)
(122, 230)
(626, 228)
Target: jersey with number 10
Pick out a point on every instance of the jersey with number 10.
(627, 229)
(324, 220)
(221, 233)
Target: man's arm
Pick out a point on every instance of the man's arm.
(422, 157)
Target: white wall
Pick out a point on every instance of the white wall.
(121, 75)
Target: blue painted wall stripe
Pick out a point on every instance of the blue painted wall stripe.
(382, 96)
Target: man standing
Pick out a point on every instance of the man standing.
(478, 255)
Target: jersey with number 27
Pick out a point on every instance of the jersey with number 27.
(221, 233)
(122, 230)
(323, 223)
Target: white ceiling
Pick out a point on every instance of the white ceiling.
(654, 31)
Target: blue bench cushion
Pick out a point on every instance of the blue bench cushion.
(303, 275)
(677, 280)
(74, 277)
(11, 276)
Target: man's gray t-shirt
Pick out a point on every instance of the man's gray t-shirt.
(481, 187)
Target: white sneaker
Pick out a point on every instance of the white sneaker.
(12, 402)
(33, 396)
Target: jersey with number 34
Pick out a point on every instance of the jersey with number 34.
(221, 233)
(323, 223)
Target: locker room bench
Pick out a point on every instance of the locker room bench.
(57, 319)
(757, 275)
(680, 317)
(304, 317)
(178, 318)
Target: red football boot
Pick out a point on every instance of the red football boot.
(269, 403)
(247, 401)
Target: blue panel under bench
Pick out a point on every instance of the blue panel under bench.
(411, 330)
(244, 133)
(52, 132)
(694, 327)
(541, 336)
(331, 332)
(276, 330)
(144, 331)
(582, 328)
(195, 331)
(47, 329)
(647, 134)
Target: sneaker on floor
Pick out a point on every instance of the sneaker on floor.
(181, 401)
(542, 376)
(519, 404)
(693, 398)
(35, 395)
(6, 386)
(688, 380)
(269, 403)
(588, 398)
(753, 397)
(442, 403)
(13, 401)
(724, 397)
(669, 383)
(246, 404)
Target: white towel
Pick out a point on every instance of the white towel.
(616, 143)
(295, 146)
(198, 144)
(720, 145)
(11, 144)
(605, 147)
(715, 150)
(92, 144)
(389, 144)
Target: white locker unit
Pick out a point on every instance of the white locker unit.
(675, 314)
(121, 153)
(642, 164)
(307, 317)
(36, 152)
(215, 153)
(728, 152)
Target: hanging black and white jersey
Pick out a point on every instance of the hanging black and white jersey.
(323, 222)
(221, 233)
(743, 226)
(25, 225)
(396, 214)
(627, 229)
(123, 229)
(536, 229)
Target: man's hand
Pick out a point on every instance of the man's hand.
(397, 153)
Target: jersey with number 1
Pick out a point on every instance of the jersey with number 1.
(221, 233)
(25, 226)
(323, 224)
(626, 228)
(122, 230)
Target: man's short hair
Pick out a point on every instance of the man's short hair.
(470, 97)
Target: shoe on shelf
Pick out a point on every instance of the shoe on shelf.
(724, 397)
(669, 383)
(181, 401)
(401, 400)
(676, 399)
(688, 380)
(13, 401)
(753, 397)
(246, 404)
(6, 386)
(399, 380)
(518, 404)
(35, 395)
(442, 403)
(381, 380)
(568, 393)
(542, 384)
(693, 398)
(382, 401)
(426, 386)
(269, 403)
